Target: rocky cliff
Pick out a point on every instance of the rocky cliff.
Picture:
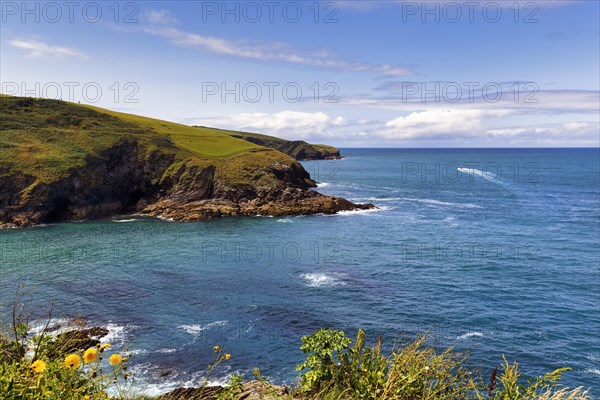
(60, 161)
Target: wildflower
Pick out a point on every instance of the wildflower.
(86, 397)
(227, 356)
(72, 361)
(38, 366)
(216, 348)
(115, 359)
(105, 346)
(90, 355)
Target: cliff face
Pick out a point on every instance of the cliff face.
(113, 182)
(131, 174)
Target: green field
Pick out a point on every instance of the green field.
(48, 138)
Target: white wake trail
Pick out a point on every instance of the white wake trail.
(488, 176)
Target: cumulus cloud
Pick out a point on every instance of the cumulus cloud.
(39, 49)
(445, 123)
(575, 133)
(447, 127)
(291, 125)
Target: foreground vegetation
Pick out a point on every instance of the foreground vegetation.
(72, 365)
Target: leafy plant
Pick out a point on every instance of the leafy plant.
(234, 387)
(414, 371)
(321, 347)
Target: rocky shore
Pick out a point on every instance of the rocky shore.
(292, 203)
(126, 179)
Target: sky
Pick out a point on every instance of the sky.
(346, 73)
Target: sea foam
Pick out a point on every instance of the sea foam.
(322, 280)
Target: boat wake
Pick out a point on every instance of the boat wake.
(488, 176)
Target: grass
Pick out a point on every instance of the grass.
(292, 148)
(204, 142)
(48, 139)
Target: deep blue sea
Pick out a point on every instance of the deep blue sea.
(494, 251)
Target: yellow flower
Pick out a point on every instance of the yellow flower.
(105, 346)
(115, 359)
(90, 355)
(38, 366)
(86, 397)
(216, 348)
(72, 361)
(227, 356)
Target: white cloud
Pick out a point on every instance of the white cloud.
(543, 101)
(159, 17)
(39, 49)
(448, 127)
(262, 51)
(575, 133)
(576, 126)
(292, 125)
(432, 123)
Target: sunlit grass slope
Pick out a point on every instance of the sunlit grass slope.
(48, 138)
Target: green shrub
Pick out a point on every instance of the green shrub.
(411, 372)
(322, 348)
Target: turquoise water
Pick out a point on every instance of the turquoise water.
(495, 251)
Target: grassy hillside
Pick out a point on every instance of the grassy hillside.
(206, 142)
(64, 161)
(298, 149)
(48, 138)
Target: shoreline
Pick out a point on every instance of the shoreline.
(206, 210)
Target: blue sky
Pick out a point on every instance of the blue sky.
(346, 73)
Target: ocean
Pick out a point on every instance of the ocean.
(493, 251)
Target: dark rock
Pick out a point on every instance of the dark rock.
(207, 393)
(249, 391)
(164, 373)
(76, 340)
